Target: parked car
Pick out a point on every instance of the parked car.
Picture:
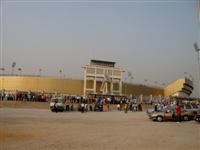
(152, 110)
(162, 115)
(168, 114)
(187, 115)
(57, 104)
(191, 107)
(159, 109)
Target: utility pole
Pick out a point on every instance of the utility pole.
(197, 49)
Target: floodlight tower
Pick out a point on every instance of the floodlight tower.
(2, 69)
(197, 49)
(20, 71)
(40, 72)
(13, 67)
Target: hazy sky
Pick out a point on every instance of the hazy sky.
(153, 39)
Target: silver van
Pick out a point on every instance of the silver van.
(57, 104)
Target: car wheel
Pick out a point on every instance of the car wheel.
(185, 118)
(160, 118)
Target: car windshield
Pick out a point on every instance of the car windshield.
(57, 99)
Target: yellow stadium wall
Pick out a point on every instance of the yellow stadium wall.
(67, 86)
(141, 89)
(174, 87)
(42, 84)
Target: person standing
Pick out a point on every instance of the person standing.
(125, 108)
(139, 107)
(155, 107)
(178, 113)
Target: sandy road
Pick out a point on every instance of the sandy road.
(41, 129)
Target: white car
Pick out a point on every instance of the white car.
(57, 104)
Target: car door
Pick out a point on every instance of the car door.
(168, 115)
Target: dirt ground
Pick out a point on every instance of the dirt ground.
(24, 104)
(22, 128)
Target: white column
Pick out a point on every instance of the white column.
(94, 86)
(111, 87)
(111, 83)
(120, 84)
(120, 87)
(151, 98)
(199, 71)
(85, 81)
(106, 91)
(141, 98)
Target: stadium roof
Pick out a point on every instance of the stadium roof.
(102, 62)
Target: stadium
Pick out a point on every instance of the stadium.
(99, 78)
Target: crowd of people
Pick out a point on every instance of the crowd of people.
(94, 102)
(25, 96)
(124, 104)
